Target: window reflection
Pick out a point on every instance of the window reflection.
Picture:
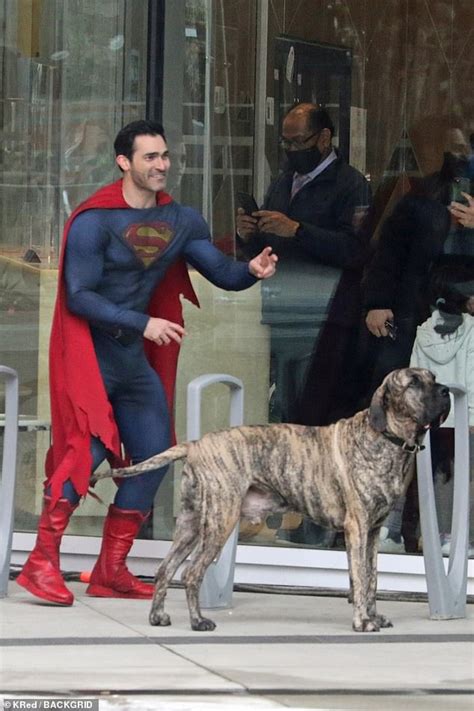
(65, 92)
(72, 72)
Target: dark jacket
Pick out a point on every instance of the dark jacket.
(325, 208)
(411, 240)
(329, 209)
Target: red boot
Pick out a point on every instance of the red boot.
(110, 576)
(41, 574)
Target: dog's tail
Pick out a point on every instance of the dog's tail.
(158, 460)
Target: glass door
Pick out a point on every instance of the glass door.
(72, 72)
(315, 73)
(208, 106)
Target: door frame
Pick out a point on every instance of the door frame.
(317, 56)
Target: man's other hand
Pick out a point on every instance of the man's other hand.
(264, 264)
(277, 223)
(162, 332)
(246, 224)
(375, 321)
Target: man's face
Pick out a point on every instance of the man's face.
(149, 165)
(298, 136)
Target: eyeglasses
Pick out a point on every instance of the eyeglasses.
(287, 144)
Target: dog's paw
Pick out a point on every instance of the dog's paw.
(202, 624)
(159, 619)
(382, 621)
(366, 625)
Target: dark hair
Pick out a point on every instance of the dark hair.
(449, 291)
(319, 119)
(123, 144)
(316, 117)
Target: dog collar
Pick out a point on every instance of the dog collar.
(411, 448)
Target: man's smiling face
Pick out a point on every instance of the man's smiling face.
(149, 165)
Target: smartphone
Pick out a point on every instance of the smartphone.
(392, 330)
(247, 203)
(460, 185)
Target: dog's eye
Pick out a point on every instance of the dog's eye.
(415, 381)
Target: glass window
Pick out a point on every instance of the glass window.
(404, 119)
(208, 116)
(66, 91)
(312, 344)
(72, 72)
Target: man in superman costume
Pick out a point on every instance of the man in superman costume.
(114, 346)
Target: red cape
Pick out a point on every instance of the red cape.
(79, 404)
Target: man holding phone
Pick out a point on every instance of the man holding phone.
(311, 217)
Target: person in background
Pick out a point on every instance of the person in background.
(444, 344)
(463, 212)
(313, 217)
(418, 234)
(114, 345)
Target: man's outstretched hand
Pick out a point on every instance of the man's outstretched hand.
(263, 265)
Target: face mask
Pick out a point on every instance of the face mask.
(456, 165)
(303, 161)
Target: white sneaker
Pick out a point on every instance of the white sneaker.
(388, 545)
(445, 540)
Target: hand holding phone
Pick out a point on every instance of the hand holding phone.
(462, 208)
(460, 187)
(247, 203)
(392, 330)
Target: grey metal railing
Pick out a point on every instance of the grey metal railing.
(7, 490)
(447, 591)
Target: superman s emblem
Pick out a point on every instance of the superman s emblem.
(148, 240)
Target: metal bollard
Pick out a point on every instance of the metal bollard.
(217, 585)
(7, 497)
(447, 592)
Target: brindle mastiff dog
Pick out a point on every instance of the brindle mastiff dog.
(344, 476)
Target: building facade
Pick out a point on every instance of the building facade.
(396, 78)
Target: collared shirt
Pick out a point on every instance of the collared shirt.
(300, 179)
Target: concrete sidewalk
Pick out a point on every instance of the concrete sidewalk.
(270, 651)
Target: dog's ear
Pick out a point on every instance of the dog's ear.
(377, 416)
